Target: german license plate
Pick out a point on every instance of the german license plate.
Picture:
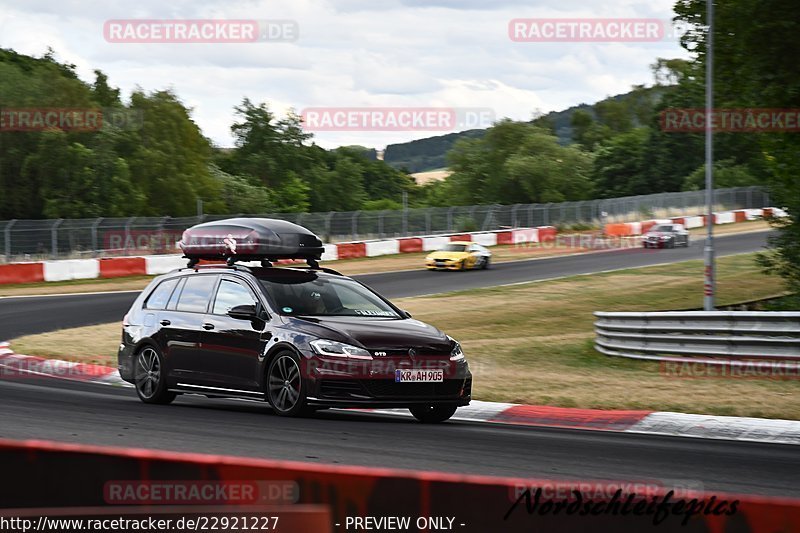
(418, 376)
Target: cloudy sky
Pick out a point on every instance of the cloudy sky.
(350, 54)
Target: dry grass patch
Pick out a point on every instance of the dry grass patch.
(88, 344)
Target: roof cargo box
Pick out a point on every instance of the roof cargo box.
(250, 239)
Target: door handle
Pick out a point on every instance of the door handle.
(165, 322)
(208, 325)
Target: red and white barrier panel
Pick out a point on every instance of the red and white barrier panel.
(348, 250)
(323, 498)
(629, 229)
(115, 267)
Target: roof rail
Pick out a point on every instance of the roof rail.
(216, 265)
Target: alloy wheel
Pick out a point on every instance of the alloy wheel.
(284, 383)
(148, 372)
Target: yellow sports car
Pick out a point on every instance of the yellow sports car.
(459, 255)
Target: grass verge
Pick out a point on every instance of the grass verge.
(532, 343)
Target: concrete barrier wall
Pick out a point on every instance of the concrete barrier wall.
(387, 247)
(486, 239)
(71, 269)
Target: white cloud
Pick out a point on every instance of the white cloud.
(350, 53)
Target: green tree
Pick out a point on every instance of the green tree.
(169, 158)
(517, 162)
(756, 47)
(619, 165)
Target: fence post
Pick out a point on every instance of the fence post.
(127, 233)
(8, 239)
(428, 221)
(380, 223)
(54, 238)
(450, 219)
(354, 222)
(328, 218)
(95, 246)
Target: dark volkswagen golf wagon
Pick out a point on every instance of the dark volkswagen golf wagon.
(299, 338)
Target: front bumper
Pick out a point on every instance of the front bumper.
(357, 387)
(450, 265)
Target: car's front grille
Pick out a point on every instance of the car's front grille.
(387, 388)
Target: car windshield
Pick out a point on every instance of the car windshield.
(454, 248)
(311, 295)
(662, 227)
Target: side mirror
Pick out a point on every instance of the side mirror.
(243, 312)
(405, 313)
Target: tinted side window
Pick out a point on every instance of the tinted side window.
(196, 293)
(231, 294)
(160, 296)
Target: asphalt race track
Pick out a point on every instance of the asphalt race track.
(22, 316)
(44, 408)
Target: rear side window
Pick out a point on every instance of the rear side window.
(230, 294)
(160, 296)
(173, 300)
(196, 293)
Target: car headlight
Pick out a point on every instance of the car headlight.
(456, 354)
(666, 237)
(338, 349)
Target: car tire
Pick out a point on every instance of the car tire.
(486, 261)
(463, 265)
(149, 377)
(432, 413)
(285, 386)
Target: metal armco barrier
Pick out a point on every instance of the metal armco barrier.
(50, 475)
(723, 336)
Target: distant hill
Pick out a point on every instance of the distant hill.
(428, 154)
(425, 154)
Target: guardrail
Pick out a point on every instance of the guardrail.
(720, 337)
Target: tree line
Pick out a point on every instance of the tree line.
(158, 162)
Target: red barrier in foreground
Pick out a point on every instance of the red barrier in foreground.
(44, 474)
(21, 273)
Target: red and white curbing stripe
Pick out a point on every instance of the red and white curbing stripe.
(626, 421)
(17, 365)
